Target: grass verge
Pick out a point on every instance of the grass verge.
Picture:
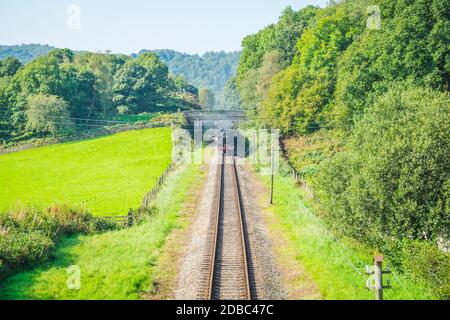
(337, 266)
(114, 265)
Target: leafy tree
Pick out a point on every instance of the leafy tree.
(101, 68)
(94, 86)
(279, 107)
(63, 55)
(247, 89)
(289, 29)
(182, 86)
(232, 98)
(157, 76)
(129, 86)
(271, 65)
(300, 95)
(379, 99)
(48, 114)
(254, 48)
(155, 66)
(254, 85)
(379, 57)
(206, 99)
(281, 37)
(5, 111)
(141, 84)
(9, 66)
(267, 53)
(183, 94)
(43, 76)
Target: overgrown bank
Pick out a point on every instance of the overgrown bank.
(28, 236)
(114, 265)
(335, 264)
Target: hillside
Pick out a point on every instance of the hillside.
(24, 52)
(211, 70)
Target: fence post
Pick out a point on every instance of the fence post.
(378, 269)
(130, 218)
(375, 280)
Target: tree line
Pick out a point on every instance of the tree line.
(53, 93)
(25, 52)
(377, 101)
(210, 71)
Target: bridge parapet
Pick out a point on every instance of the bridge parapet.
(212, 115)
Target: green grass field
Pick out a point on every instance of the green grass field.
(107, 175)
(114, 265)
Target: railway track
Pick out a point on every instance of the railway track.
(227, 275)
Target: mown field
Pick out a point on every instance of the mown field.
(107, 175)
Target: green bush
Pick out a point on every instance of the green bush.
(411, 45)
(428, 265)
(28, 236)
(393, 179)
(54, 221)
(20, 249)
(176, 119)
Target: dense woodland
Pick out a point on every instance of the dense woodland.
(365, 117)
(62, 91)
(210, 71)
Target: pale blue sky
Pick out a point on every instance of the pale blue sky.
(126, 26)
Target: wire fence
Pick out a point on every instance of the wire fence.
(149, 197)
(137, 215)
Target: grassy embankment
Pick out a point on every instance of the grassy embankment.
(337, 266)
(106, 175)
(114, 265)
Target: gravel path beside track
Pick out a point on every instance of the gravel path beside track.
(190, 272)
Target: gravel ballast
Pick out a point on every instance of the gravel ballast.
(267, 280)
